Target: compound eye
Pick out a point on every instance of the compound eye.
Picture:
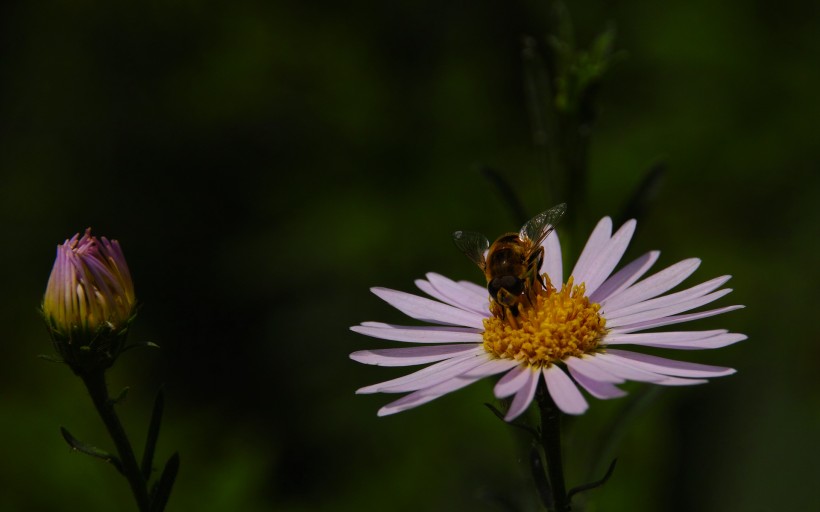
(512, 284)
(493, 288)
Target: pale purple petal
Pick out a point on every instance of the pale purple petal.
(433, 369)
(425, 395)
(623, 370)
(406, 402)
(452, 293)
(591, 369)
(428, 310)
(430, 290)
(721, 341)
(598, 389)
(411, 355)
(615, 337)
(458, 292)
(510, 383)
(523, 397)
(629, 371)
(429, 376)
(479, 291)
(597, 241)
(669, 366)
(677, 381)
(623, 278)
(610, 255)
(456, 370)
(677, 319)
(666, 300)
(552, 264)
(683, 340)
(564, 392)
(419, 334)
(492, 367)
(653, 285)
(640, 375)
(667, 311)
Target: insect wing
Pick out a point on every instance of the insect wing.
(539, 227)
(473, 244)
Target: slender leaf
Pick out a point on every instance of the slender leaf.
(539, 474)
(500, 415)
(507, 194)
(50, 359)
(120, 396)
(637, 402)
(153, 435)
(162, 489)
(141, 344)
(597, 483)
(87, 449)
(645, 194)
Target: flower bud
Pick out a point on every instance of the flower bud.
(89, 302)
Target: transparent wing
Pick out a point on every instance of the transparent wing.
(473, 244)
(540, 226)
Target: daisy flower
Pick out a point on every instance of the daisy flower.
(571, 336)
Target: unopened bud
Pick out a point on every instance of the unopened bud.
(89, 301)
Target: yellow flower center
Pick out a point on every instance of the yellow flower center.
(550, 326)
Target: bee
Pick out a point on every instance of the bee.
(512, 263)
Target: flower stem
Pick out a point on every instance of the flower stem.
(95, 383)
(551, 442)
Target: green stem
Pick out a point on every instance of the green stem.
(551, 442)
(97, 388)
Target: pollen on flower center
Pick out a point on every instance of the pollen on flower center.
(556, 325)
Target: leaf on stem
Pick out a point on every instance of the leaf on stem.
(593, 485)
(50, 359)
(500, 415)
(141, 344)
(162, 489)
(507, 194)
(539, 474)
(153, 435)
(120, 396)
(645, 194)
(87, 449)
(580, 70)
(544, 123)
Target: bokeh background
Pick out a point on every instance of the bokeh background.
(264, 163)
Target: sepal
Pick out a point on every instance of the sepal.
(86, 354)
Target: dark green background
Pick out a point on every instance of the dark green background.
(264, 163)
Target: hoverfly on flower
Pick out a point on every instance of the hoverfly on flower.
(511, 264)
(566, 329)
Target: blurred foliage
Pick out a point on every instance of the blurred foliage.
(264, 163)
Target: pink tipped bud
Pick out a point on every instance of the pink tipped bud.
(89, 301)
